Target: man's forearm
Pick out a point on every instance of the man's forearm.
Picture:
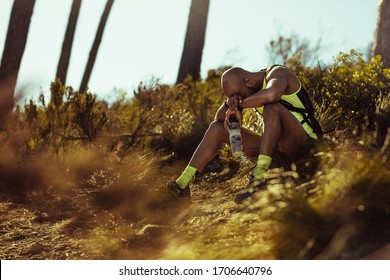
(258, 99)
(221, 113)
(272, 94)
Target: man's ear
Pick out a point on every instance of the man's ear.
(249, 83)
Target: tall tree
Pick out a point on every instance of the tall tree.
(382, 38)
(191, 58)
(63, 63)
(15, 44)
(96, 44)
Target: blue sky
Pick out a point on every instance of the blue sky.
(144, 38)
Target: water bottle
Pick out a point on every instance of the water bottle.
(235, 137)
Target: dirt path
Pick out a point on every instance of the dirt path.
(27, 233)
(23, 236)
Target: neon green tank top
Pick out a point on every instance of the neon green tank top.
(294, 100)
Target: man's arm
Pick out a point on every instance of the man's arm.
(280, 81)
(271, 94)
(221, 113)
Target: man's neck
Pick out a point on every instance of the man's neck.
(259, 79)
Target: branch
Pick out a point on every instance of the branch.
(81, 138)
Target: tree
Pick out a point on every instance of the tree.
(382, 39)
(194, 41)
(284, 49)
(96, 44)
(63, 63)
(15, 44)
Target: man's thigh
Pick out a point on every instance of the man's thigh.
(293, 136)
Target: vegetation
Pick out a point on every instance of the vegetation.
(84, 179)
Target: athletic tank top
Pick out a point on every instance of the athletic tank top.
(294, 100)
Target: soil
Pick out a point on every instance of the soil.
(31, 232)
(24, 236)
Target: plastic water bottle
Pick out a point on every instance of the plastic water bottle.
(235, 137)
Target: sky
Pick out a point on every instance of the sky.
(144, 38)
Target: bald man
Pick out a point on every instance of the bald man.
(286, 130)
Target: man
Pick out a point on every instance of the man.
(270, 91)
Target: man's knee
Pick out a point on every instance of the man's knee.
(271, 109)
(217, 127)
(217, 130)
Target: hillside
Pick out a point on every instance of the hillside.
(84, 179)
(337, 215)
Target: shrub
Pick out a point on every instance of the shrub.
(347, 93)
(173, 118)
(69, 115)
(352, 88)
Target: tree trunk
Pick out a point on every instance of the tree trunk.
(63, 63)
(95, 46)
(15, 44)
(382, 38)
(191, 58)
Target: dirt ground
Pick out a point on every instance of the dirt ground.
(30, 233)
(24, 236)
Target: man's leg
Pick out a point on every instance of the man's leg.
(208, 148)
(280, 128)
(283, 129)
(217, 135)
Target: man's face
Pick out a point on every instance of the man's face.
(230, 89)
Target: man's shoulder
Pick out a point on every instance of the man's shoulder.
(277, 70)
(282, 72)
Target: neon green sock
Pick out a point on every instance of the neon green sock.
(186, 177)
(263, 163)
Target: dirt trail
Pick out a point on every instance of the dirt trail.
(28, 233)
(24, 236)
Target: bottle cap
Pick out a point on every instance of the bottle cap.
(233, 118)
(234, 124)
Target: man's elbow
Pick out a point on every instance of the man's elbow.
(273, 98)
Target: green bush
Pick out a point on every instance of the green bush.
(70, 115)
(349, 90)
(170, 118)
(353, 86)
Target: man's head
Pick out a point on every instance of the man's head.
(238, 81)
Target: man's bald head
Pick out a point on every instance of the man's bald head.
(233, 80)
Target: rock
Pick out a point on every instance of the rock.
(152, 231)
(35, 249)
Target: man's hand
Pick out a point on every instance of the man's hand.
(234, 102)
(229, 113)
